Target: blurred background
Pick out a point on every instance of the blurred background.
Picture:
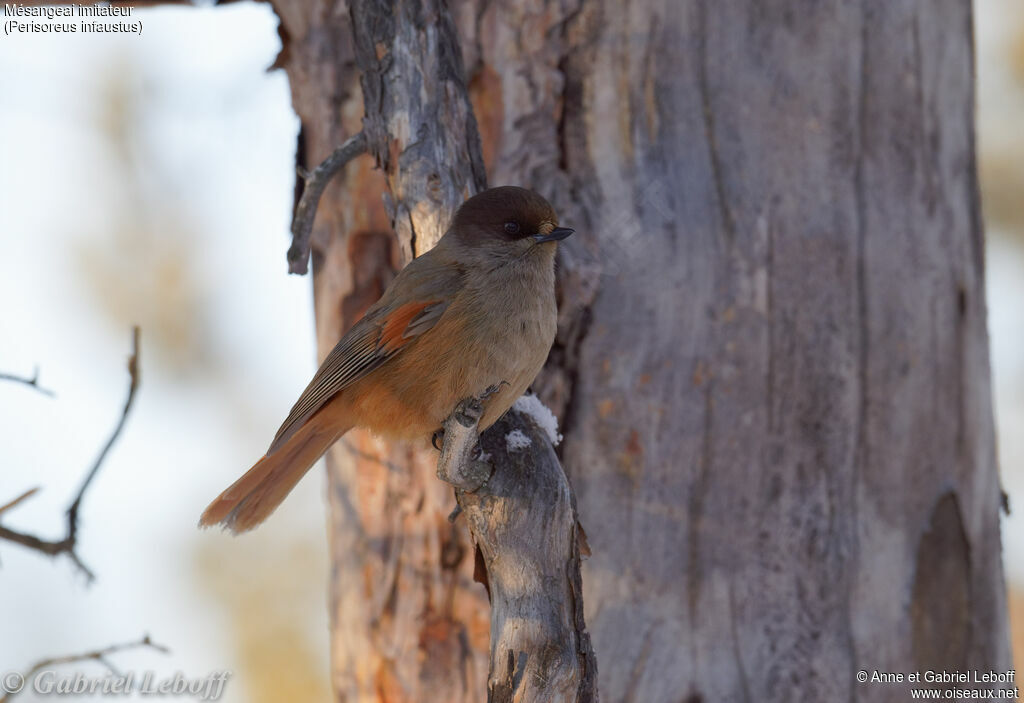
(148, 180)
(999, 41)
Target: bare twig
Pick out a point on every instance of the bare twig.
(98, 655)
(32, 382)
(305, 211)
(14, 503)
(133, 385)
(69, 542)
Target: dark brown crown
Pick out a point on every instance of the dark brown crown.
(493, 211)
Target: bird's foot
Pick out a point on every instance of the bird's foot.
(468, 412)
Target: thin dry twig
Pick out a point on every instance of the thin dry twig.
(14, 503)
(31, 382)
(305, 211)
(97, 655)
(68, 544)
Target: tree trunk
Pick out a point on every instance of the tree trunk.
(772, 362)
(408, 622)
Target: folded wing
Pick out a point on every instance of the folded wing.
(385, 330)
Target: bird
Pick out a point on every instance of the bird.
(476, 312)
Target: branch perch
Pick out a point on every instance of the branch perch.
(68, 544)
(314, 184)
(522, 515)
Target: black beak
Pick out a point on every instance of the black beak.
(555, 235)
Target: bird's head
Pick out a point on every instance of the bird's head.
(508, 222)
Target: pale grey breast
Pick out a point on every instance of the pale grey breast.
(515, 325)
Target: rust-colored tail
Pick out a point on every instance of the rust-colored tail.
(251, 499)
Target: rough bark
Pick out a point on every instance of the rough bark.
(408, 622)
(418, 121)
(775, 391)
(522, 514)
(772, 363)
(777, 414)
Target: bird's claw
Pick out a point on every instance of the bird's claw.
(492, 389)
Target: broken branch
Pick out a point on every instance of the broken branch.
(313, 188)
(522, 515)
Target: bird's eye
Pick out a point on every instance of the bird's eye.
(512, 228)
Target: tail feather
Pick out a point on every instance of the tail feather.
(252, 498)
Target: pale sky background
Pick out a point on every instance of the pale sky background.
(201, 173)
(149, 179)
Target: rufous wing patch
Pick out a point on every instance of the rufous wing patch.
(408, 321)
(365, 347)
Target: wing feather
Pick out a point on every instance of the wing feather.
(411, 306)
(426, 319)
(370, 343)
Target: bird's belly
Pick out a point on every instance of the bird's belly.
(508, 354)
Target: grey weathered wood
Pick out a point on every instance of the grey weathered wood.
(525, 524)
(775, 394)
(522, 515)
(772, 363)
